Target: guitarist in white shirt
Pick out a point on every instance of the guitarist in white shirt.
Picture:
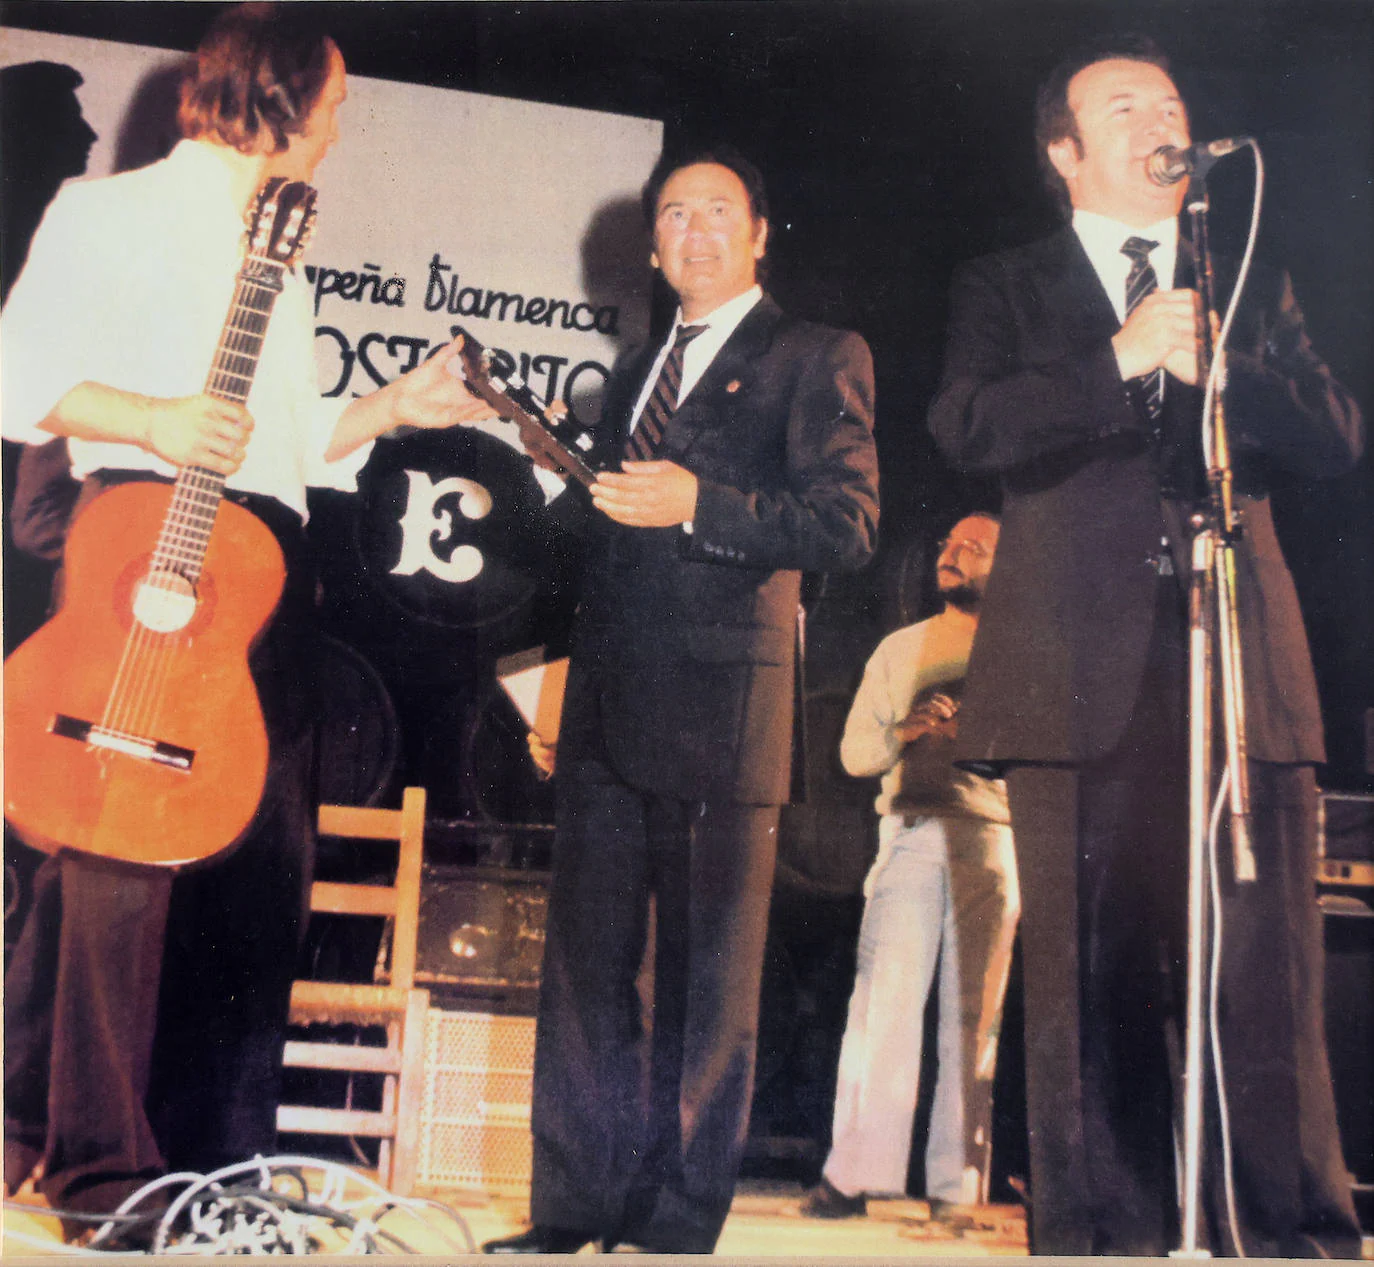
(144, 1015)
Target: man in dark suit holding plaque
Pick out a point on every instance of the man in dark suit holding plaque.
(747, 450)
(1072, 373)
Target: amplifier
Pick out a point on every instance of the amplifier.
(481, 928)
(475, 1118)
(1345, 838)
(1348, 928)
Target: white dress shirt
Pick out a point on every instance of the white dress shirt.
(701, 351)
(127, 284)
(1103, 238)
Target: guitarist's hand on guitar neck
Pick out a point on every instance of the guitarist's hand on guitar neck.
(199, 430)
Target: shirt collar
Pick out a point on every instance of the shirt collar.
(1100, 233)
(729, 314)
(219, 163)
(1102, 239)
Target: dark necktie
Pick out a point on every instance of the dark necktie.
(1142, 281)
(644, 441)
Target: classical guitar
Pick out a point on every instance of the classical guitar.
(558, 440)
(132, 726)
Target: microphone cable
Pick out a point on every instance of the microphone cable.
(1216, 374)
(1216, 381)
(1214, 1017)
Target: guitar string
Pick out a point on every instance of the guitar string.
(138, 692)
(136, 695)
(127, 708)
(146, 650)
(187, 522)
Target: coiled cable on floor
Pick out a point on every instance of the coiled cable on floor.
(286, 1204)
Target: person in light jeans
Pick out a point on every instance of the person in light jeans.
(941, 911)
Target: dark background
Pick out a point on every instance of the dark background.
(896, 140)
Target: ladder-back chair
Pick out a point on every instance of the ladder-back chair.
(397, 1005)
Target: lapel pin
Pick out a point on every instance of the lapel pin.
(732, 386)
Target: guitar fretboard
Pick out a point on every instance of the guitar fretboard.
(196, 498)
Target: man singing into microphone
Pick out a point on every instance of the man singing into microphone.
(1072, 373)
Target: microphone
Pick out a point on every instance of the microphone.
(1168, 164)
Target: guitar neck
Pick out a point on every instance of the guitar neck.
(240, 342)
(185, 534)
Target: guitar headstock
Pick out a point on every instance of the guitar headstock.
(281, 221)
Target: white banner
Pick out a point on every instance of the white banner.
(517, 220)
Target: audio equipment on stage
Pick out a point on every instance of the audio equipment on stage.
(475, 1116)
(359, 738)
(1345, 876)
(1345, 838)
(482, 930)
(1348, 927)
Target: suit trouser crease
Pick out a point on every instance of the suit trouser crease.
(1102, 849)
(639, 1132)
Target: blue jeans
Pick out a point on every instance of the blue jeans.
(942, 891)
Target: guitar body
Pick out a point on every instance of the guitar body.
(195, 700)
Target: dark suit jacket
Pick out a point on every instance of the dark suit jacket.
(1031, 392)
(684, 642)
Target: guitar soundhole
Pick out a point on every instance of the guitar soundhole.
(164, 601)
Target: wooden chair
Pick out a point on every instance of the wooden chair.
(397, 1005)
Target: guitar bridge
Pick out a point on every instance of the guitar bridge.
(136, 746)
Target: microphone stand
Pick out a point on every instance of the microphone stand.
(1213, 634)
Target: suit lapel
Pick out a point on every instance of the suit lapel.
(1074, 295)
(627, 384)
(750, 340)
(1074, 292)
(732, 366)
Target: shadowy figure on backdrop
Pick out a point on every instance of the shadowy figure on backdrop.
(45, 139)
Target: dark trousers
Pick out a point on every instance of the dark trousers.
(145, 1013)
(638, 1135)
(1102, 853)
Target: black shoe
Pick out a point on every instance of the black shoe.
(540, 1240)
(825, 1201)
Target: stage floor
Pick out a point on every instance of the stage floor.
(763, 1223)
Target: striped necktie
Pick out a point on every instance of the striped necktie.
(1142, 281)
(646, 438)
